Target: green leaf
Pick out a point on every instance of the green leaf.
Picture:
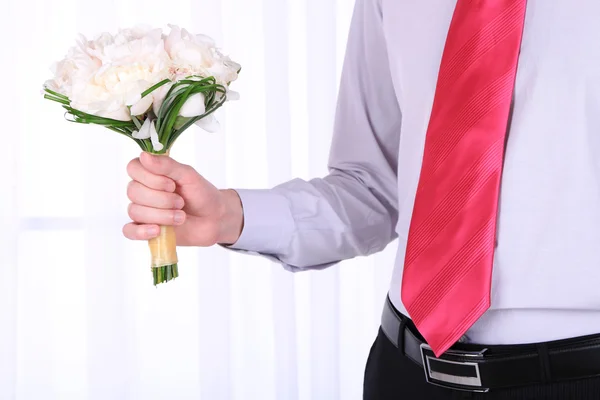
(168, 122)
(153, 88)
(165, 107)
(55, 94)
(93, 119)
(174, 111)
(179, 122)
(192, 121)
(57, 99)
(112, 128)
(175, 99)
(136, 121)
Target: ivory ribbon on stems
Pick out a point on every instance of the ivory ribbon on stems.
(164, 247)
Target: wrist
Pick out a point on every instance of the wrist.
(232, 218)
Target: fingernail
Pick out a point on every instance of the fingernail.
(179, 217)
(179, 203)
(152, 231)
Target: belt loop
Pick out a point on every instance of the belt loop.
(546, 372)
(401, 330)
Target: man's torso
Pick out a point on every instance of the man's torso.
(547, 262)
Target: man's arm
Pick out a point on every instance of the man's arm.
(353, 210)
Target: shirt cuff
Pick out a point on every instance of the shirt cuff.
(268, 222)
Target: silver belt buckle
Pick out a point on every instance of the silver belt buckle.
(469, 379)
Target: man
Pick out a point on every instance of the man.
(470, 131)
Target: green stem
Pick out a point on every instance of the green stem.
(55, 94)
(136, 121)
(57, 99)
(165, 274)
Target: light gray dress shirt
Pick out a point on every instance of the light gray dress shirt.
(546, 277)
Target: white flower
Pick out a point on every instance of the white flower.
(102, 76)
(106, 76)
(194, 106)
(197, 55)
(119, 114)
(144, 132)
(159, 96)
(186, 49)
(139, 107)
(76, 67)
(148, 131)
(232, 95)
(209, 123)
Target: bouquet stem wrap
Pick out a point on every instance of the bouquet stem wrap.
(163, 250)
(164, 255)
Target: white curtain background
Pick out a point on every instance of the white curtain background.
(79, 317)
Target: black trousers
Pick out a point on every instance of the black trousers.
(389, 375)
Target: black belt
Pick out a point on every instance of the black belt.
(478, 368)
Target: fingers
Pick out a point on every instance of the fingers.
(137, 172)
(144, 196)
(197, 232)
(148, 215)
(134, 231)
(166, 166)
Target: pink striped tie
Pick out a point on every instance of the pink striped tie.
(450, 249)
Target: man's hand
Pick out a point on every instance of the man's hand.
(165, 192)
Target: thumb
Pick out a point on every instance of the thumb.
(164, 165)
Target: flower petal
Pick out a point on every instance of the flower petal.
(132, 99)
(156, 144)
(232, 95)
(142, 106)
(173, 39)
(159, 96)
(209, 123)
(206, 40)
(144, 133)
(194, 106)
(120, 114)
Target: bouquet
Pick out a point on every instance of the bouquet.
(150, 87)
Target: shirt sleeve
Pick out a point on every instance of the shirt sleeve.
(353, 210)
